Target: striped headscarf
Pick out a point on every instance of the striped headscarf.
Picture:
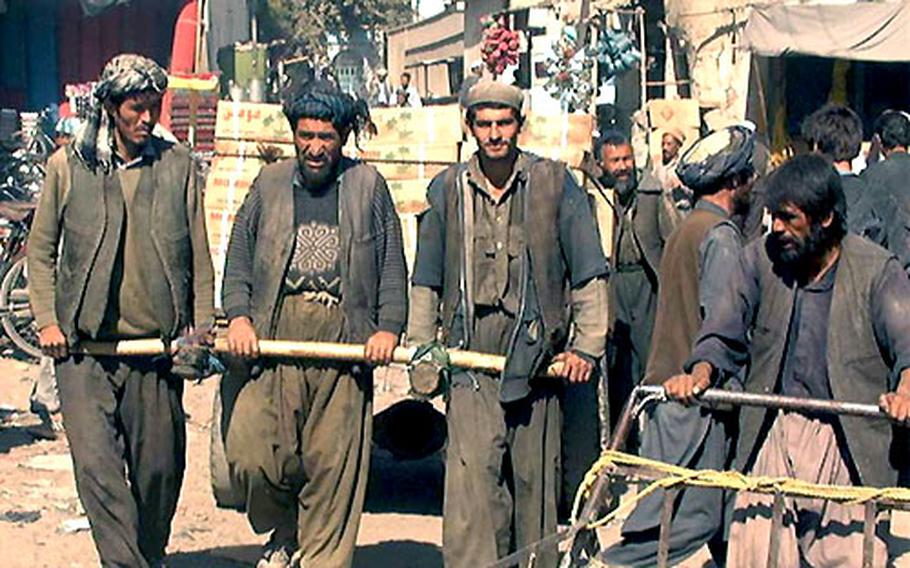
(124, 75)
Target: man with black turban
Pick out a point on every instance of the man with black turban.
(696, 268)
(315, 255)
(118, 250)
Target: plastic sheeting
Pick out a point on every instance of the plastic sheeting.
(867, 31)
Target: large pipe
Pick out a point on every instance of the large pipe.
(307, 350)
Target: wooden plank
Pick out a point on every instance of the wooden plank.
(666, 518)
(777, 526)
(250, 148)
(869, 512)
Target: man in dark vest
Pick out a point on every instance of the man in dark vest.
(890, 182)
(836, 132)
(698, 261)
(118, 250)
(506, 251)
(315, 255)
(642, 223)
(817, 313)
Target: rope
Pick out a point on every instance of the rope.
(676, 475)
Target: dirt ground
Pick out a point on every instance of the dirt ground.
(402, 525)
(41, 525)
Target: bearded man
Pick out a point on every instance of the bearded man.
(315, 255)
(508, 258)
(641, 227)
(118, 250)
(818, 313)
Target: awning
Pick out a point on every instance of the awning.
(867, 31)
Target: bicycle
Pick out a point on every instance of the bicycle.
(16, 318)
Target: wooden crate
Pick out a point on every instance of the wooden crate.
(252, 121)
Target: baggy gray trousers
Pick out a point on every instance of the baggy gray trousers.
(127, 434)
(502, 473)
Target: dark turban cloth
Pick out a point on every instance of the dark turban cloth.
(322, 100)
(719, 155)
(124, 75)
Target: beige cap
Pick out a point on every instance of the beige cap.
(676, 132)
(494, 92)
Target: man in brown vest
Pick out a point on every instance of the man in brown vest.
(505, 252)
(315, 255)
(817, 313)
(118, 250)
(696, 267)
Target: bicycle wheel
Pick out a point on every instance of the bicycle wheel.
(17, 320)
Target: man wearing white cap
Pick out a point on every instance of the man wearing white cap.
(506, 251)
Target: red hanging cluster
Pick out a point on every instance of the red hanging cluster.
(500, 45)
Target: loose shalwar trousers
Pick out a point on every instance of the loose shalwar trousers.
(815, 532)
(125, 414)
(502, 473)
(298, 442)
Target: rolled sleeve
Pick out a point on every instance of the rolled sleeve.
(723, 340)
(589, 315)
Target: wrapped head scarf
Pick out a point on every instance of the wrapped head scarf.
(124, 75)
(322, 100)
(719, 155)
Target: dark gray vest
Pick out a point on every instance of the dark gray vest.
(92, 222)
(547, 287)
(275, 244)
(857, 369)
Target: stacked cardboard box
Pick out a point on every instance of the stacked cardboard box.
(410, 148)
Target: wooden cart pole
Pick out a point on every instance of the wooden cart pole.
(306, 350)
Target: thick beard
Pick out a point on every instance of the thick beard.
(623, 189)
(742, 201)
(317, 179)
(817, 242)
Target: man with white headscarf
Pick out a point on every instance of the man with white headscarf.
(118, 250)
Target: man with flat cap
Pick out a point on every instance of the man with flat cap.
(118, 250)
(700, 256)
(315, 255)
(508, 258)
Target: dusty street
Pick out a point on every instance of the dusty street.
(41, 525)
(402, 525)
